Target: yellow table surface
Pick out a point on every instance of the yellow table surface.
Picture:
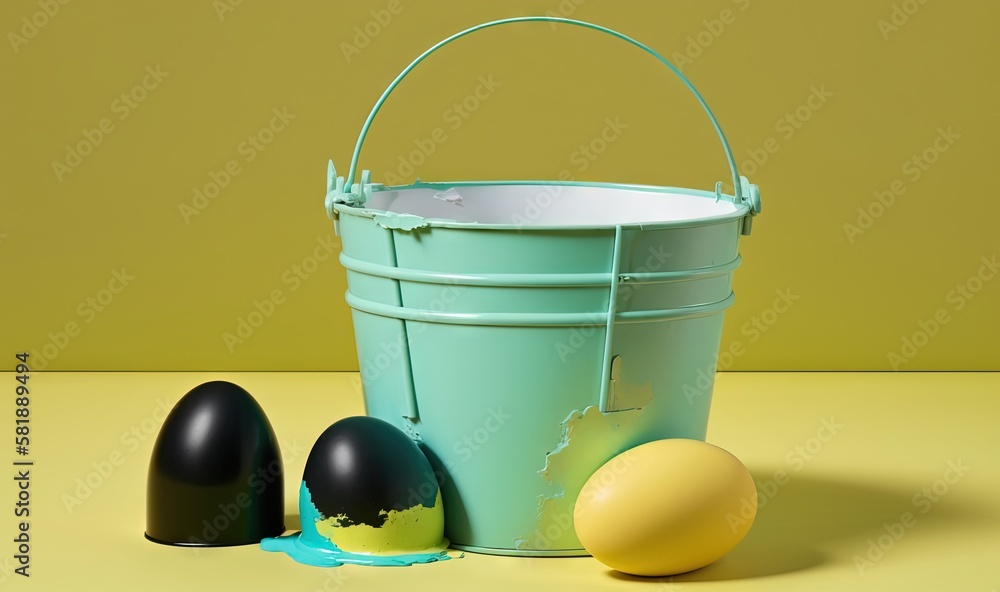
(895, 435)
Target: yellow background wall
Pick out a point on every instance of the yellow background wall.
(112, 242)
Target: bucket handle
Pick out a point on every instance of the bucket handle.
(738, 186)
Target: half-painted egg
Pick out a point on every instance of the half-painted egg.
(368, 496)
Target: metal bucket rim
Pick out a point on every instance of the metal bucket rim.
(740, 210)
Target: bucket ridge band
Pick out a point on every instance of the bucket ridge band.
(539, 319)
(540, 280)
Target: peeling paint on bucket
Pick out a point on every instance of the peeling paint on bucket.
(586, 435)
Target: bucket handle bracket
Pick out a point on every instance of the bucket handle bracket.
(335, 194)
(748, 196)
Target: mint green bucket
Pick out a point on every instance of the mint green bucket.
(526, 332)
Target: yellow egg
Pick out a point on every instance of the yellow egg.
(665, 507)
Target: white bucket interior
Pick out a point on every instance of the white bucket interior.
(548, 205)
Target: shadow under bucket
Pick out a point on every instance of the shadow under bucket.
(526, 332)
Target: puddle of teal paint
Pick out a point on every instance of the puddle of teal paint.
(311, 548)
(294, 546)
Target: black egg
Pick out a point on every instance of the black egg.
(361, 467)
(215, 476)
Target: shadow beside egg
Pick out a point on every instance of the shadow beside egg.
(812, 521)
(456, 527)
(803, 524)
